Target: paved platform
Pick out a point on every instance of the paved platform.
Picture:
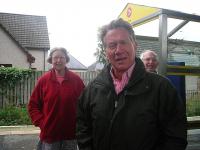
(18, 137)
(26, 138)
(193, 122)
(26, 129)
(193, 139)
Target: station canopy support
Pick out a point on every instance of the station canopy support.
(138, 15)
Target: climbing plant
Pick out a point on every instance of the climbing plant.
(9, 76)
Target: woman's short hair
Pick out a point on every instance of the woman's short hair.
(49, 59)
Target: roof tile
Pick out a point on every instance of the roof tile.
(29, 30)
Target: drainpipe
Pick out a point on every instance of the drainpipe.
(44, 61)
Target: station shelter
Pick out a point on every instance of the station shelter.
(175, 40)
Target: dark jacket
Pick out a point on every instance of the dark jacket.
(52, 106)
(147, 115)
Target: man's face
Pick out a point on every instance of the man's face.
(120, 49)
(150, 62)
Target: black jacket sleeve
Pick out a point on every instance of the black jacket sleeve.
(84, 123)
(172, 119)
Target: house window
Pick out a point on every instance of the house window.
(33, 69)
(5, 65)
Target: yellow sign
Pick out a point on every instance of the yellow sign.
(133, 12)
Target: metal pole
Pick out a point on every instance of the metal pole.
(162, 70)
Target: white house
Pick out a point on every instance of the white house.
(24, 41)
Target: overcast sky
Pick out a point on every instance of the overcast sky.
(73, 24)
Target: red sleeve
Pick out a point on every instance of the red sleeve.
(35, 105)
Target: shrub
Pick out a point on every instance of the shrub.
(193, 107)
(12, 115)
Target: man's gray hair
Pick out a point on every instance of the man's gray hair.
(118, 23)
(151, 51)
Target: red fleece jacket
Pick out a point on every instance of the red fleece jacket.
(52, 106)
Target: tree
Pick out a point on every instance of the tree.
(100, 51)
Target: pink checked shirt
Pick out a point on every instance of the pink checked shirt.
(120, 84)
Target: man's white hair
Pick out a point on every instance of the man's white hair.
(151, 51)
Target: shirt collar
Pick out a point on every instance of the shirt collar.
(128, 72)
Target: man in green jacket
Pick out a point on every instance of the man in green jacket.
(126, 107)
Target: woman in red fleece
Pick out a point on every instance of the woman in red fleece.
(52, 106)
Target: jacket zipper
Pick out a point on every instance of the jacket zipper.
(116, 104)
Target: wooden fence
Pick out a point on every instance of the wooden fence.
(20, 94)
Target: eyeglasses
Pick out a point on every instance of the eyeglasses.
(150, 59)
(58, 58)
(113, 45)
